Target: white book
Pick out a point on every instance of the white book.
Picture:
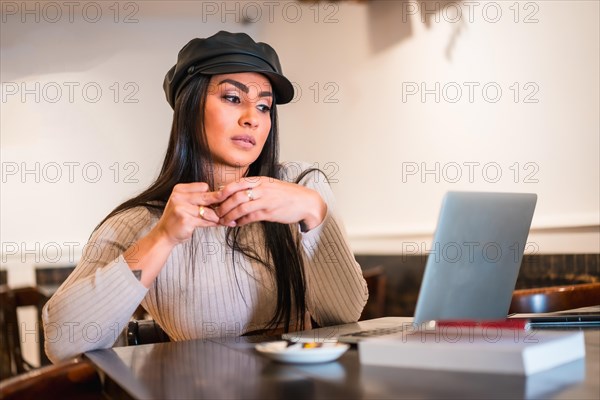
(494, 351)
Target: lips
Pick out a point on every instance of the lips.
(244, 140)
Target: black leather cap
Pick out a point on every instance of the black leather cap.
(225, 53)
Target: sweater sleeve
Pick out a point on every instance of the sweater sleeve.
(337, 291)
(94, 304)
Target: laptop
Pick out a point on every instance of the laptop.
(585, 317)
(471, 269)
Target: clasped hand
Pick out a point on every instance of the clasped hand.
(192, 205)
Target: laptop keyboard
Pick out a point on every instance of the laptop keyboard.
(374, 332)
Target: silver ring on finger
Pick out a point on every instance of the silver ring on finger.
(250, 194)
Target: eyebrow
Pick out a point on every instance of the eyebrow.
(244, 88)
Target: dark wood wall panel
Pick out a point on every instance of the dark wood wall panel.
(404, 274)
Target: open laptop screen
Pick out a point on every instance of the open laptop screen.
(475, 256)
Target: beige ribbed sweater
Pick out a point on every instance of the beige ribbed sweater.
(205, 296)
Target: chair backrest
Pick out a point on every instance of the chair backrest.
(555, 298)
(145, 331)
(48, 279)
(73, 379)
(52, 275)
(10, 339)
(6, 363)
(376, 282)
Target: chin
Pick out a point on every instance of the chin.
(235, 161)
(245, 163)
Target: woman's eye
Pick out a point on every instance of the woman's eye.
(264, 108)
(232, 98)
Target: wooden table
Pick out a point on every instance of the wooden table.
(231, 368)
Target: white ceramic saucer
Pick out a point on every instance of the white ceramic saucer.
(302, 353)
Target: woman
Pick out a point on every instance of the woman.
(226, 241)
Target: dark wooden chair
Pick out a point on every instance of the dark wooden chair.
(52, 276)
(5, 360)
(145, 331)
(10, 339)
(555, 298)
(73, 379)
(47, 280)
(376, 282)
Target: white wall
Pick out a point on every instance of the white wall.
(364, 57)
(382, 137)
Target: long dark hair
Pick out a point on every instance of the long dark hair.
(188, 159)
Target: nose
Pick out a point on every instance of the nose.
(249, 117)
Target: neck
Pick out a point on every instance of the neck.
(224, 174)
